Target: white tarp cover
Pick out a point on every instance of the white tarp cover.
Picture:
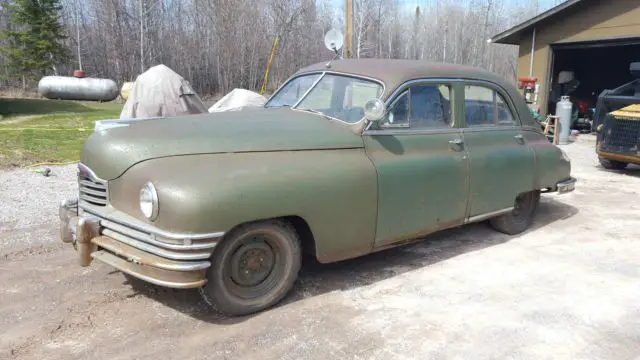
(161, 92)
(236, 99)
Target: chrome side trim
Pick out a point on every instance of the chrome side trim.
(488, 215)
(143, 236)
(491, 128)
(153, 230)
(142, 258)
(173, 255)
(412, 132)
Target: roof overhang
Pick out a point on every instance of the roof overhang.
(512, 36)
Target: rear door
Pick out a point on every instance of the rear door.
(421, 163)
(501, 163)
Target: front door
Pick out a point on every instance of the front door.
(502, 164)
(421, 162)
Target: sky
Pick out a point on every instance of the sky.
(544, 4)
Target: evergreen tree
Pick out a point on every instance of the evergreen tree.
(35, 38)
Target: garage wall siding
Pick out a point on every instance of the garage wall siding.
(595, 20)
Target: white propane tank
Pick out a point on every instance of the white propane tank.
(73, 88)
(563, 110)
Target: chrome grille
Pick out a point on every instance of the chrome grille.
(91, 190)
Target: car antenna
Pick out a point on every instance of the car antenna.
(333, 40)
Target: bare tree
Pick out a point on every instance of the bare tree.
(222, 44)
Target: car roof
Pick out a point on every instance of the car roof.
(394, 72)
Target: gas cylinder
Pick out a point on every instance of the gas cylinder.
(563, 111)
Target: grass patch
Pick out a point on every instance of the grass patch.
(34, 131)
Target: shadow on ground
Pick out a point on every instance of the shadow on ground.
(316, 279)
(630, 170)
(18, 107)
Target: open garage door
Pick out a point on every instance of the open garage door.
(584, 70)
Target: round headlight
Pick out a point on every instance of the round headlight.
(149, 201)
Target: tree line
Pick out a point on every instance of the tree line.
(219, 45)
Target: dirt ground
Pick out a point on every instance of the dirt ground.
(566, 289)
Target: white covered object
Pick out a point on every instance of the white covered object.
(161, 92)
(236, 99)
(565, 76)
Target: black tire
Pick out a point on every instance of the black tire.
(521, 217)
(253, 268)
(612, 164)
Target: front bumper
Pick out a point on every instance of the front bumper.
(135, 248)
(566, 186)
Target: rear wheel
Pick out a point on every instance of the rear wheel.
(253, 268)
(612, 164)
(521, 217)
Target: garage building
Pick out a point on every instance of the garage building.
(588, 43)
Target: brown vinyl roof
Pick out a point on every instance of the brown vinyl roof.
(394, 72)
(512, 36)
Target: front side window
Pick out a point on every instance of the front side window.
(421, 107)
(338, 96)
(486, 107)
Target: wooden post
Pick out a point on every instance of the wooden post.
(349, 29)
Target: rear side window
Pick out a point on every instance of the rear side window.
(486, 107)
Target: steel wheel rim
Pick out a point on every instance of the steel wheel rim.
(263, 276)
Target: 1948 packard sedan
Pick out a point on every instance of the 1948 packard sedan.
(345, 159)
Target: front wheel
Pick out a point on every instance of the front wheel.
(253, 268)
(521, 217)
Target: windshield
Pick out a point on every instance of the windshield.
(337, 96)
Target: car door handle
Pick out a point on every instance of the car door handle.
(519, 138)
(456, 141)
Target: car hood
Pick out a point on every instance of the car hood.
(110, 152)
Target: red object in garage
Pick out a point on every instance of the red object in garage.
(78, 73)
(527, 82)
(582, 106)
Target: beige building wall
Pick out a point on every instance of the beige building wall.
(595, 20)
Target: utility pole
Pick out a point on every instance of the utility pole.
(78, 35)
(142, 18)
(349, 28)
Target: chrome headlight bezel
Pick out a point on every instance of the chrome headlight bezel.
(149, 201)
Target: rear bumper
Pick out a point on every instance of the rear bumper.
(566, 186)
(161, 258)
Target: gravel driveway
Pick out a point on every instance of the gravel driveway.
(568, 288)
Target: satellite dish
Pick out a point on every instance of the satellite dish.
(334, 40)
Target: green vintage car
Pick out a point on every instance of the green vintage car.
(345, 159)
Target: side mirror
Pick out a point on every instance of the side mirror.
(374, 110)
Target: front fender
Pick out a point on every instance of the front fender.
(334, 191)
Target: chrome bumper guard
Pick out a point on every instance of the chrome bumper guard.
(155, 256)
(566, 186)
